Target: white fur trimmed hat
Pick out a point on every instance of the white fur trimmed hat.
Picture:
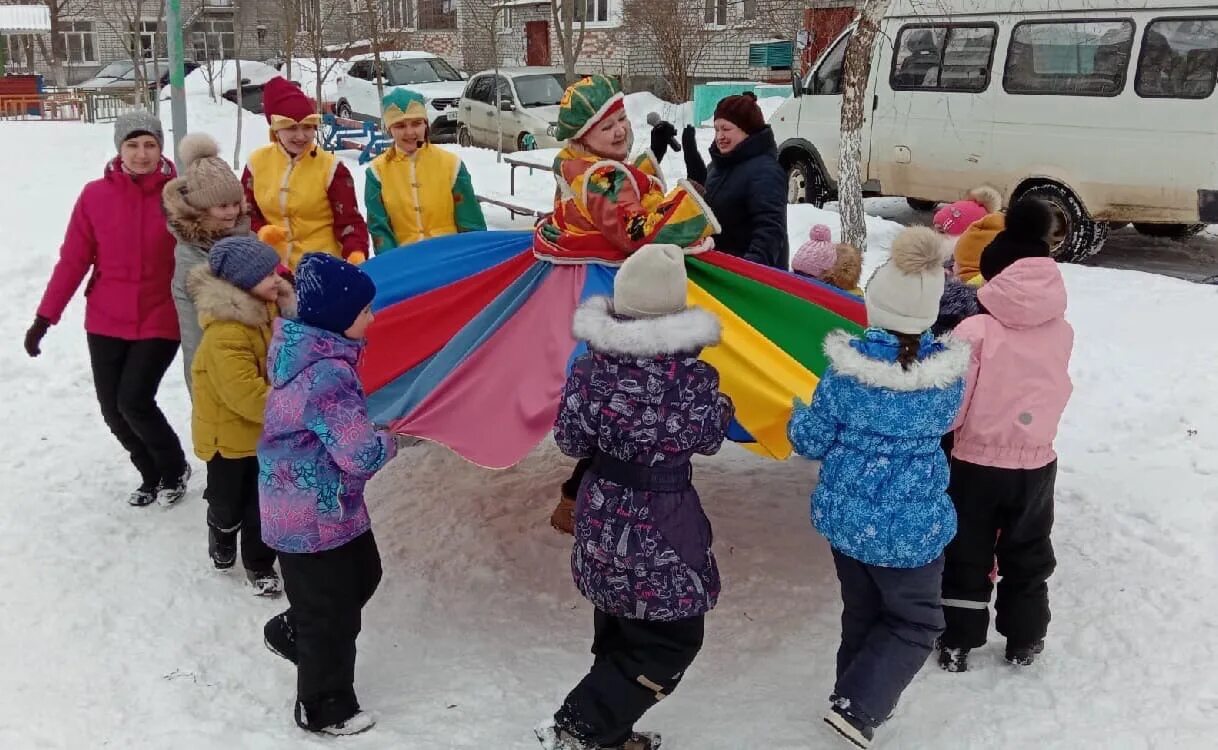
(903, 294)
(652, 282)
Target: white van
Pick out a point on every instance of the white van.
(1104, 110)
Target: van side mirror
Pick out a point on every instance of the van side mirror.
(797, 84)
(507, 106)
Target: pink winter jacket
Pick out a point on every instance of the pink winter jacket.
(118, 231)
(1018, 380)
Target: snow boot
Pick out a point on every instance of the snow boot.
(553, 737)
(563, 517)
(953, 659)
(1024, 656)
(850, 728)
(144, 496)
(265, 582)
(222, 547)
(641, 741)
(172, 491)
(279, 637)
(337, 716)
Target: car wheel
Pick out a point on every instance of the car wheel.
(805, 183)
(343, 110)
(463, 137)
(526, 142)
(1169, 231)
(1076, 236)
(918, 204)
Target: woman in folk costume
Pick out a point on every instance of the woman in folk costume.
(416, 190)
(454, 320)
(304, 191)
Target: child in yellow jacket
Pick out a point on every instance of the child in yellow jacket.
(415, 190)
(236, 294)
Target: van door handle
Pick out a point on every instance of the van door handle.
(875, 102)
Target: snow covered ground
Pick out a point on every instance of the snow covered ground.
(119, 633)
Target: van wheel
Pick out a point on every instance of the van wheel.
(1170, 231)
(806, 184)
(464, 138)
(918, 204)
(1076, 236)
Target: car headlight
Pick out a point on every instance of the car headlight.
(552, 131)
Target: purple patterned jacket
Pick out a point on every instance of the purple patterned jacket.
(318, 447)
(641, 396)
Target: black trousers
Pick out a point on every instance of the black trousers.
(1019, 504)
(232, 507)
(326, 593)
(637, 664)
(127, 375)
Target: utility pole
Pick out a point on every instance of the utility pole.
(177, 74)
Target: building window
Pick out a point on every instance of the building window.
(943, 58)
(1179, 59)
(145, 41)
(592, 11)
(79, 42)
(437, 15)
(748, 10)
(398, 14)
(716, 12)
(213, 40)
(308, 16)
(20, 48)
(505, 18)
(1069, 58)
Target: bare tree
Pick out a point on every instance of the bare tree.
(315, 17)
(290, 27)
(374, 25)
(125, 20)
(677, 34)
(570, 44)
(57, 56)
(856, 72)
(237, 45)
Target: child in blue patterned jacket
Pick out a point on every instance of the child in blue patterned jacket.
(875, 423)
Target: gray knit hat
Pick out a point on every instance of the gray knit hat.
(242, 261)
(206, 180)
(139, 122)
(652, 282)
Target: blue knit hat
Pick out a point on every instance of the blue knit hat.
(242, 261)
(331, 293)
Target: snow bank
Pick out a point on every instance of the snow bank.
(224, 74)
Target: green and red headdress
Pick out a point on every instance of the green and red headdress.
(586, 103)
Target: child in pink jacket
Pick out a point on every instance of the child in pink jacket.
(1003, 464)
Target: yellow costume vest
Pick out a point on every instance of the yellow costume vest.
(417, 192)
(292, 194)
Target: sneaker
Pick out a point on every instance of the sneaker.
(265, 582)
(1024, 656)
(172, 491)
(355, 721)
(279, 637)
(144, 496)
(849, 728)
(222, 547)
(953, 659)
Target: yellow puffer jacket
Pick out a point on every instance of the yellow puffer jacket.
(229, 372)
(972, 243)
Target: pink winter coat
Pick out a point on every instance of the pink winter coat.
(118, 231)
(1018, 380)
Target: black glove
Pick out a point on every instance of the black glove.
(695, 168)
(33, 337)
(661, 134)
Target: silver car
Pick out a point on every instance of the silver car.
(516, 111)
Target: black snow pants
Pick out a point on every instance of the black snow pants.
(1017, 506)
(232, 507)
(326, 593)
(637, 664)
(126, 376)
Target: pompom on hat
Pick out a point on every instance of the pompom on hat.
(954, 218)
(816, 256)
(205, 180)
(903, 294)
(586, 103)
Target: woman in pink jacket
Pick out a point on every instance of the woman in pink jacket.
(117, 235)
(1003, 464)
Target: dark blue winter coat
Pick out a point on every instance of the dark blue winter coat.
(642, 396)
(882, 497)
(959, 301)
(747, 190)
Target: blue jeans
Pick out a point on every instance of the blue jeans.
(890, 620)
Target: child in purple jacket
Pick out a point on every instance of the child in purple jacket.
(318, 448)
(638, 405)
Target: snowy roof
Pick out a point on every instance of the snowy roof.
(23, 19)
(387, 55)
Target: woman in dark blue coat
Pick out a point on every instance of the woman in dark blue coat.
(745, 185)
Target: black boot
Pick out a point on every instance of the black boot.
(336, 715)
(173, 490)
(144, 496)
(222, 546)
(1025, 655)
(953, 659)
(851, 728)
(280, 637)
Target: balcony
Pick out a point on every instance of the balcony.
(227, 7)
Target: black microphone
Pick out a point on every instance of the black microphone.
(653, 120)
(420, 144)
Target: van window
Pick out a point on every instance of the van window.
(827, 78)
(1179, 59)
(1069, 58)
(943, 58)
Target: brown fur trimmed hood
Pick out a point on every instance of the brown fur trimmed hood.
(188, 224)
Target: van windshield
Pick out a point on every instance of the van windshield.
(540, 90)
(407, 72)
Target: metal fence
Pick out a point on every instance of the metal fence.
(64, 105)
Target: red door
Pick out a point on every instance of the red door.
(537, 43)
(823, 26)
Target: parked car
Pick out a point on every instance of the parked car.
(118, 77)
(422, 72)
(1104, 110)
(518, 113)
(254, 77)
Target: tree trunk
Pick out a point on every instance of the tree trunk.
(855, 74)
(291, 22)
(238, 37)
(58, 49)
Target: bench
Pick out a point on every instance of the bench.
(341, 133)
(515, 206)
(542, 159)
